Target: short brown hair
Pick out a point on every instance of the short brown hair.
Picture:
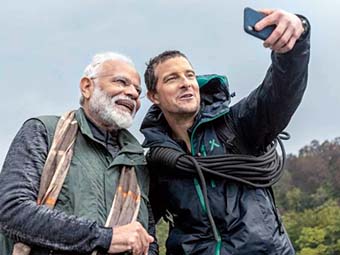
(149, 74)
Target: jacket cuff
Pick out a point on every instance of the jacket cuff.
(306, 27)
(103, 241)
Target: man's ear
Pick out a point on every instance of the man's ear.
(86, 87)
(153, 97)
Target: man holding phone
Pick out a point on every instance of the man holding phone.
(192, 116)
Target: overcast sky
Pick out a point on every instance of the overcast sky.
(45, 46)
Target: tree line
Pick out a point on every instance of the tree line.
(308, 196)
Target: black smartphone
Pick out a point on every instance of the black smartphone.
(251, 17)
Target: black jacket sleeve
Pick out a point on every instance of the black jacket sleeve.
(156, 197)
(153, 249)
(156, 209)
(261, 116)
(21, 219)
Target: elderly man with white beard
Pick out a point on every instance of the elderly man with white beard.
(78, 184)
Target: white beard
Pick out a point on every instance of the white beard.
(102, 108)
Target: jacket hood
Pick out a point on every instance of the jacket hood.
(215, 100)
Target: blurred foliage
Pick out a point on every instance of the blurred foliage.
(162, 234)
(315, 231)
(308, 197)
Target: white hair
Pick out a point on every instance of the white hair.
(100, 58)
(97, 61)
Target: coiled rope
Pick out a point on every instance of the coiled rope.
(258, 171)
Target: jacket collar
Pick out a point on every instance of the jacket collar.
(127, 142)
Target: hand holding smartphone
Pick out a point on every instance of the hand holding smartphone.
(251, 17)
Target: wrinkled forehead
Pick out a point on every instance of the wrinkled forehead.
(119, 68)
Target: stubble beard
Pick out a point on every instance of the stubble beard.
(189, 109)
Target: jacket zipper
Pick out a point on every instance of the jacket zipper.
(198, 186)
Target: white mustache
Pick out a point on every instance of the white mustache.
(114, 99)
